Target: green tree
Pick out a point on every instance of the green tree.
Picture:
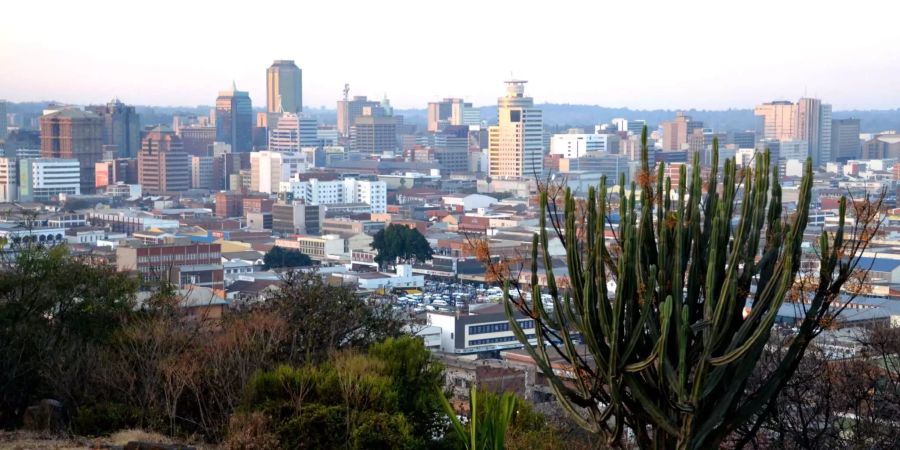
(667, 353)
(400, 242)
(53, 308)
(279, 257)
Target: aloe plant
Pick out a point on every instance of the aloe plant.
(487, 432)
(668, 352)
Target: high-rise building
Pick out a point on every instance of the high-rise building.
(814, 126)
(284, 88)
(268, 169)
(203, 173)
(516, 143)
(451, 149)
(576, 145)
(163, 166)
(808, 120)
(293, 132)
(234, 119)
(677, 131)
(41, 179)
(74, 134)
(779, 120)
(451, 111)
(9, 179)
(374, 134)
(845, 143)
(349, 109)
(3, 122)
(197, 140)
(121, 128)
(743, 139)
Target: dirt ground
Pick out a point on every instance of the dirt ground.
(22, 440)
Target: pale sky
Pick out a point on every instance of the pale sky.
(639, 54)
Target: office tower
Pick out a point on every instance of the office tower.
(9, 179)
(197, 140)
(743, 139)
(3, 122)
(269, 168)
(814, 127)
(451, 111)
(516, 143)
(676, 132)
(845, 144)
(793, 149)
(203, 173)
(808, 120)
(292, 133)
(74, 134)
(121, 128)
(779, 120)
(349, 110)
(234, 119)
(163, 166)
(41, 179)
(374, 134)
(451, 148)
(284, 88)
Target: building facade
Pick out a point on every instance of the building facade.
(348, 190)
(845, 143)
(676, 131)
(284, 88)
(121, 128)
(163, 166)
(234, 119)
(74, 134)
(41, 179)
(516, 143)
(268, 169)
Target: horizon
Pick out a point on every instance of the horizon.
(700, 54)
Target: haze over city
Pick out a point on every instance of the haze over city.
(655, 54)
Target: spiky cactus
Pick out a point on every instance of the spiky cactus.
(668, 353)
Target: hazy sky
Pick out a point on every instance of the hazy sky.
(639, 54)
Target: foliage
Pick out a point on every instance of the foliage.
(352, 400)
(323, 318)
(667, 352)
(400, 242)
(279, 257)
(52, 308)
(488, 421)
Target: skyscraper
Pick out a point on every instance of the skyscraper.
(74, 134)
(808, 120)
(121, 127)
(234, 119)
(677, 131)
(348, 110)
(451, 111)
(374, 134)
(516, 143)
(3, 123)
(845, 143)
(292, 133)
(284, 87)
(163, 165)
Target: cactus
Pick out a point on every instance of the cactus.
(667, 355)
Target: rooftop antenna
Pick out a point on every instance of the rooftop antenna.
(346, 91)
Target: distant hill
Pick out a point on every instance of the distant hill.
(556, 116)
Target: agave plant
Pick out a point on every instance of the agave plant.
(489, 431)
(667, 353)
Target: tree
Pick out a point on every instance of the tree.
(323, 318)
(52, 309)
(400, 242)
(667, 352)
(279, 257)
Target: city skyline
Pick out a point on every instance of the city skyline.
(699, 55)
